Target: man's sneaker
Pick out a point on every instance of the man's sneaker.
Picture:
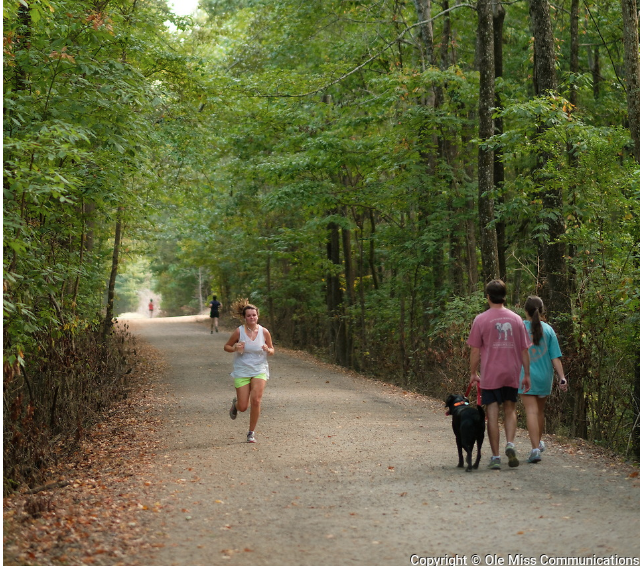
(535, 456)
(542, 446)
(250, 436)
(217, 329)
(495, 463)
(513, 462)
(211, 332)
(233, 411)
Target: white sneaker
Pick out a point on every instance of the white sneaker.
(542, 446)
(250, 436)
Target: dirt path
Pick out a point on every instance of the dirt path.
(348, 470)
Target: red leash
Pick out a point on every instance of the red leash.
(470, 385)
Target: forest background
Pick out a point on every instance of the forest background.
(356, 168)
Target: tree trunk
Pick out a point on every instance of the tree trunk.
(402, 336)
(490, 266)
(109, 315)
(498, 165)
(574, 69)
(471, 230)
(371, 251)
(635, 431)
(24, 39)
(544, 72)
(594, 64)
(557, 297)
(334, 298)
(268, 274)
(451, 156)
(575, 50)
(446, 57)
(348, 271)
(632, 70)
(555, 290)
(348, 267)
(81, 255)
(423, 15)
(471, 247)
(363, 335)
(456, 250)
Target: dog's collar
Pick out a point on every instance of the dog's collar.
(457, 405)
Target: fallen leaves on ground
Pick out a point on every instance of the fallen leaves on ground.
(94, 507)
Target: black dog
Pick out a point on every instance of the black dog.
(469, 426)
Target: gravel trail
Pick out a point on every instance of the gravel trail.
(348, 470)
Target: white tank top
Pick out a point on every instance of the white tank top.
(253, 361)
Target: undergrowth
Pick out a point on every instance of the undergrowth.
(55, 397)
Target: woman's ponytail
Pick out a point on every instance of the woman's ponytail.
(239, 307)
(535, 307)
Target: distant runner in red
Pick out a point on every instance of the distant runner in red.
(151, 308)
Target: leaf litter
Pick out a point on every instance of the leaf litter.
(94, 508)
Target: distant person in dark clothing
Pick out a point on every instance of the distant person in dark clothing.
(214, 314)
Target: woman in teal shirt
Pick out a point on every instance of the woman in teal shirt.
(546, 356)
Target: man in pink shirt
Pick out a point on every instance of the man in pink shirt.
(499, 342)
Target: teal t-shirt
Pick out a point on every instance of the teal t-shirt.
(542, 372)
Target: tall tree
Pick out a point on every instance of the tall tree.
(544, 76)
(111, 285)
(499, 13)
(630, 20)
(334, 296)
(553, 248)
(424, 18)
(574, 58)
(490, 265)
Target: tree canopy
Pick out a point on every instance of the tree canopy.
(357, 169)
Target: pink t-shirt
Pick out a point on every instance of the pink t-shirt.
(501, 337)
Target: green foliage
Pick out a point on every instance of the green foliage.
(301, 137)
(308, 156)
(82, 92)
(73, 127)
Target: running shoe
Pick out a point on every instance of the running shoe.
(535, 456)
(233, 411)
(250, 436)
(513, 462)
(495, 464)
(542, 446)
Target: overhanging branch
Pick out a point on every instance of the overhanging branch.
(369, 60)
